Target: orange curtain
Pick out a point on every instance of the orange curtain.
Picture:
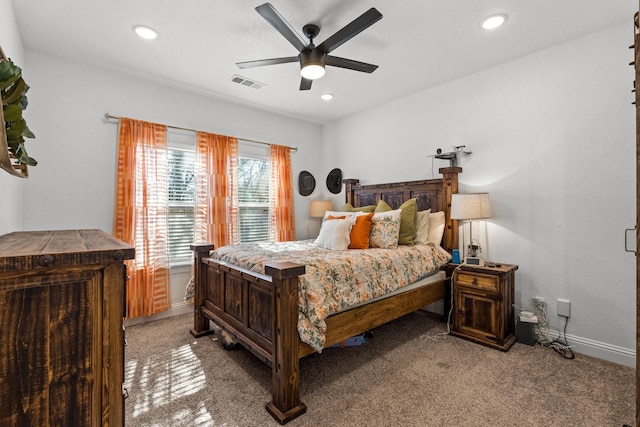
(141, 214)
(282, 221)
(217, 189)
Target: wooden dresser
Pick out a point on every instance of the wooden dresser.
(61, 335)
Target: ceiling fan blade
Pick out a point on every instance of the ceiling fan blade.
(273, 17)
(262, 62)
(305, 84)
(349, 64)
(355, 27)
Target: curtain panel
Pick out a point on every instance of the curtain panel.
(281, 214)
(140, 218)
(217, 218)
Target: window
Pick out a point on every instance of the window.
(181, 164)
(253, 195)
(253, 199)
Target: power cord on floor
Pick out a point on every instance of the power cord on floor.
(443, 335)
(559, 344)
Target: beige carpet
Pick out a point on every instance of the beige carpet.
(399, 377)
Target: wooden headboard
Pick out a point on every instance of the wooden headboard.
(434, 194)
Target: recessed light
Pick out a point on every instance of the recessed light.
(145, 32)
(327, 96)
(493, 21)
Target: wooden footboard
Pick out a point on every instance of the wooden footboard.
(261, 312)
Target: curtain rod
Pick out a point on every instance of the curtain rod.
(109, 116)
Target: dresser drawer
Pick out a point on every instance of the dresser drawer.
(477, 280)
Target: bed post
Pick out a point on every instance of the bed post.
(201, 324)
(348, 189)
(285, 404)
(450, 186)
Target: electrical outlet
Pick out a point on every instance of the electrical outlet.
(539, 303)
(564, 307)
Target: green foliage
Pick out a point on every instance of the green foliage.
(13, 91)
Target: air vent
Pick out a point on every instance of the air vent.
(246, 82)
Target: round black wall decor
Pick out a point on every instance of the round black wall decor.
(306, 183)
(334, 181)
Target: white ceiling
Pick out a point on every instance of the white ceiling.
(418, 44)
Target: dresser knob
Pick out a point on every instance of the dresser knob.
(46, 260)
(474, 282)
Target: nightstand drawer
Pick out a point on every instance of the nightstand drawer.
(477, 280)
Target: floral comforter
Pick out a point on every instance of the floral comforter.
(336, 280)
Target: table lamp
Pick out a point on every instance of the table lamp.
(467, 207)
(319, 207)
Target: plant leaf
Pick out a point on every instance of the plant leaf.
(24, 157)
(12, 113)
(15, 129)
(14, 93)
(8, 69)
(6, 83)
(14, 144)
(23, 101)
(27, 132)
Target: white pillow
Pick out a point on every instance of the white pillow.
(385, 229)
(338, 213)
(422, 228)
(436, 227)
(334, 234)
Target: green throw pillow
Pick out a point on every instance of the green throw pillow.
(408, 219)
(349, 208)
(382, 206)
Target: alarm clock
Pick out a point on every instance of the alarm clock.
(473, 260)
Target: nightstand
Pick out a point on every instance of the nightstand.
(483, 304)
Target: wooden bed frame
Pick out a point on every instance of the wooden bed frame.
(261, 311)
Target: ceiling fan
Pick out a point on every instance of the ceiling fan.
(313, 58)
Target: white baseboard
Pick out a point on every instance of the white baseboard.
(176, 310)
(601, 350)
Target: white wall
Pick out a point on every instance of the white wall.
(553, 141)
(11, 186)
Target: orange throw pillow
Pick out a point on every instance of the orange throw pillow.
(360, 232)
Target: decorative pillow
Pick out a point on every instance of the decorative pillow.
(360, 232)
(360, 229)
(436, 227)
(349, 208)
(334, 234)
(385, 229)
(382, 206)
(408, 222)
(422, 227)
(336, 214)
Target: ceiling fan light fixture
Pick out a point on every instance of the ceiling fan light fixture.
(494, 21)
(312, 71)
(311, 63)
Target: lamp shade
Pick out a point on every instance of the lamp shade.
(470, 206)
(319, 207)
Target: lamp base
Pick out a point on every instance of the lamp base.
(473, 250)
